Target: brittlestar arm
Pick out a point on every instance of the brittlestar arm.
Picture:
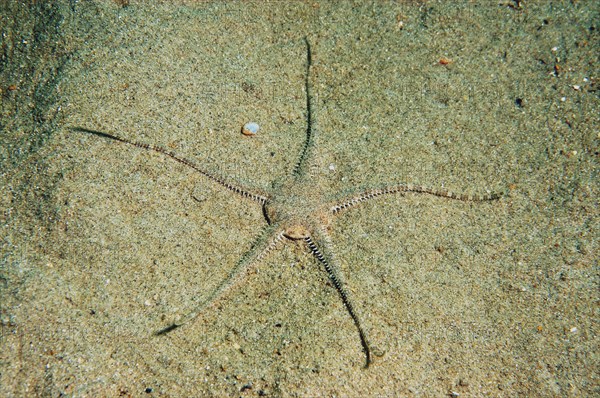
(265, 243)
(320, 246)
(302, 165)
(362, 195)
(225, 182)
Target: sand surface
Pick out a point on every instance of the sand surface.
(104, 243)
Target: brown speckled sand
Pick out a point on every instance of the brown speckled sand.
(103, 243)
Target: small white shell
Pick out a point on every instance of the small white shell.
(250, 128)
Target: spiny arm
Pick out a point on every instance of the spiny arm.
(235, 187)
(301, 167)
(320, 246)
(364, 195)
(265, 243)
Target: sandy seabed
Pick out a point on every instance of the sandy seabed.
(103, 244)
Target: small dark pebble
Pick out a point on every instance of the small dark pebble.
(519, 102)
(246, 387)
(148, 390)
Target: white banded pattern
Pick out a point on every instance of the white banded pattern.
(374, 193)
(262, 199)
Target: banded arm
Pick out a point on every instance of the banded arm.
(320, 246)
(363, 195)
(225, 182)
(264, 244)
(302, 165)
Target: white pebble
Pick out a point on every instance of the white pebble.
(250, 128)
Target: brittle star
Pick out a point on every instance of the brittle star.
(293, 210)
